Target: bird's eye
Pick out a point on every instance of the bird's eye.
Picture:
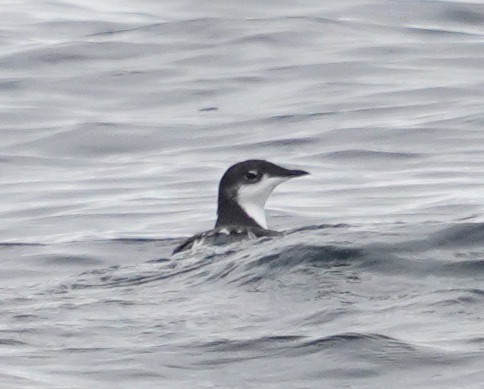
(250, 176)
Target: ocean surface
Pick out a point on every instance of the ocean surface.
(118, 119)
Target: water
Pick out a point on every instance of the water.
(118, 119)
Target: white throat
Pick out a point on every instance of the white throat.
(252, 198)
(256, 213)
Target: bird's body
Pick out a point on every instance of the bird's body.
(223, 236)
(243, 192)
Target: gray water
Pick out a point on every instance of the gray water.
(118, 118)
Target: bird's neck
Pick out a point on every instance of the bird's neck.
(232, 214)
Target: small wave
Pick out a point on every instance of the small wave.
(356, 346)
(252, 344)
(467, 267)
(344, 339)
(458, 301)
(315, 255)
(11, 342)
(242, 265)
(465, 234)
(71, 260)
(116, 276)
(129, 241)
(19, 244)
(378, 156)
(249, 263)
(318, 227)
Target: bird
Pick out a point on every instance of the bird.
(242, 194)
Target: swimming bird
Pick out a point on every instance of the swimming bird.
(242, 195)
